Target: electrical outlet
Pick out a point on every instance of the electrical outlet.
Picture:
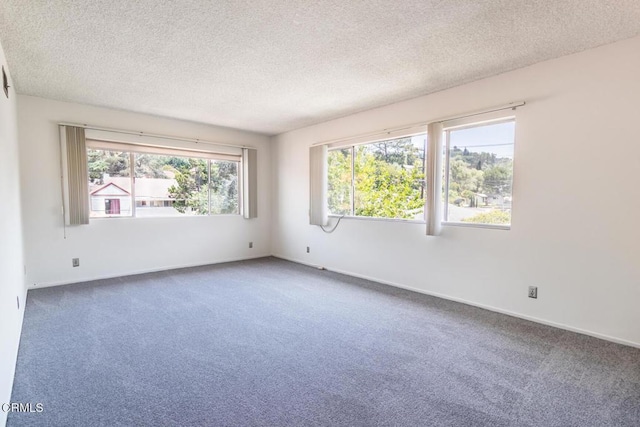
(75, 262)
(250, 245)
(308, 250)
(533, 292)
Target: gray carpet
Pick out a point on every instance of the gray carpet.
(269, 342)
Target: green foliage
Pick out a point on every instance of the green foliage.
(224, 187)
(191, 192)
(397, 151)
(464, 181)
(339, 191)
(386, 189)
(191, 189)
(153, 166)
(474, 173)
(497, 179)
(494, 216)
(100, 162)
(389, 180)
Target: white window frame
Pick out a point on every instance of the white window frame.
(133, 149)
(352, 146)
(434, 169)
(485, 119)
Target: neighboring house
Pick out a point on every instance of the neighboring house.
(481, 199)
(110, 199)
(153, 192)
(500, 201)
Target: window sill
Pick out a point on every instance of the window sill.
(371, 218)
(163, 217)
(415, 221)
(473, 225)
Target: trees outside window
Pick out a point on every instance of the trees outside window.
(479, 173)
(386, 179)
(162, 185)
(382, 179)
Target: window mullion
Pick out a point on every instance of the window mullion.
(353, 181)
(209, 186)
(132, 172)
(424, 174)
(447, 176)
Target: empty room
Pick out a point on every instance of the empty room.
(297, 213)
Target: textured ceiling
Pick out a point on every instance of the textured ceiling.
(275, 65)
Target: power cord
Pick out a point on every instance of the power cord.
(334, 227)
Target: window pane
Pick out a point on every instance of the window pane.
(109, 183)
(224, 187)
(190, 193)
(339, 191)
(170, 185)
(389, 178)
(480, 174)
(155, 176)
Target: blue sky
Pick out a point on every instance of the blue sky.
(493, 138)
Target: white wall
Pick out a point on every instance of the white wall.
(576, 200)
(11, 254)
(121, 246)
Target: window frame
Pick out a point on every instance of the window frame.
(469, 123)
(131, 149)
(352, 148)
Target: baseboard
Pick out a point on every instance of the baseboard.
(474, 304)
(150, 270)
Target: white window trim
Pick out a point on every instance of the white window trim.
(352, 144)
(476, 225)
(491, 118)
(140, 141)
(161, 151)
(132, 149)
(144, 139)
(434, 161)
(376, 218)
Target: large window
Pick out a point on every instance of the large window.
(478, 173)
(125, 183)
(383, 179)
(463, 176)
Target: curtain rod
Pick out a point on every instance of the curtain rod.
(510, 106)
(152, 135)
